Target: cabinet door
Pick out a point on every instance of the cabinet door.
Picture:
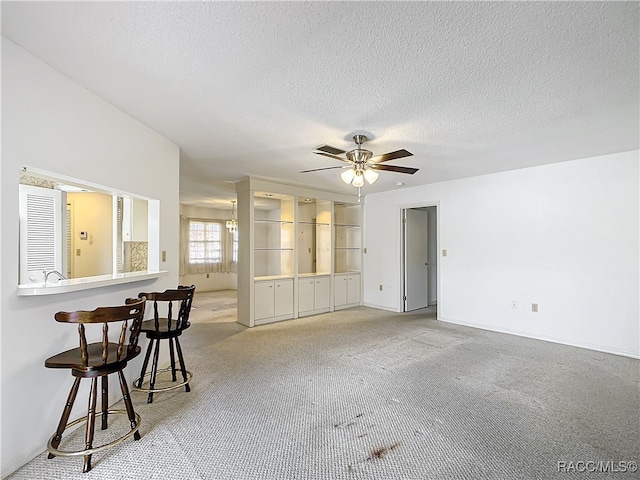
(264, 301)
(340, 294)
(353, 289)
(283, 297)
(306, 288)
(322, 291)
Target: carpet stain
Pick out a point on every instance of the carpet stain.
(347, 423)
(381, 452)
(376, 454)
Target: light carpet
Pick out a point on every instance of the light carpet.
(368, 394)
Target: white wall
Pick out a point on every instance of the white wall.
(564, 236)
(51, 123)
(215, 281)
(92, 213)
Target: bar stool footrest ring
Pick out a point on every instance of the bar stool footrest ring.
(90, 451)
(164, 389)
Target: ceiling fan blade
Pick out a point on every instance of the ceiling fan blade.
(395, 168)
(385, 157)
(318, 169)
(329, 149)
(335, 157)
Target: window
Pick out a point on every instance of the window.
(205, 242)
(234, 255)
(206, 247)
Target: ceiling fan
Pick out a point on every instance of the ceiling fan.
(362, 164)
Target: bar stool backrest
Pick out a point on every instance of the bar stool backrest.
(163, 306)
(132, 313)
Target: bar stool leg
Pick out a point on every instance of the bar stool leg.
(128, 404)
(173, 361)
(145, 364)
(154, 371)
(91, 420)
(65, 415)
(104, 401)
(187, 388)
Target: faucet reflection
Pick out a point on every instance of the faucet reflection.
(49, 272)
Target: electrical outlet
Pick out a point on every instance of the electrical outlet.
(380, 287)
(514, 304)
(444, 252)
(77, 252)
(534, 307)
(164, 255)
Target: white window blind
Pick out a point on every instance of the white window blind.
(41, 232)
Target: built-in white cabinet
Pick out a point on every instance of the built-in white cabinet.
(295, 245)
(273, 300)
(347, 290)
(135, 215)
(314, 294)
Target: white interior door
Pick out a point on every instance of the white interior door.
(416, 268)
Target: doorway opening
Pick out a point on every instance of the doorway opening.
(420, 258)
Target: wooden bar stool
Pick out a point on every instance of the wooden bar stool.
(164, 326)
(95, 360)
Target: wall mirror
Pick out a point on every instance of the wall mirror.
(70, 229)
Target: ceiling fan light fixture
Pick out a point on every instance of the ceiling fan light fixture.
(370, 175)
(348, 175)
(358, 180)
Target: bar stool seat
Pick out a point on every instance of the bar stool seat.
(164, 329)
(168, 323)
(98, 360)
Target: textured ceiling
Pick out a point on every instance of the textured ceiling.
(251, 87)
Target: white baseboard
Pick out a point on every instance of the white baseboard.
(563, 341)
(382, 307)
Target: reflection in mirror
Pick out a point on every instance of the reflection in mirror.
(70, 230)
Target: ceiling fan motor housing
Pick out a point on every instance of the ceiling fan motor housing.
(359, 157)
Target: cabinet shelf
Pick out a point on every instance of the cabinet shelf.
(266, 278)
(347, 241)
(314, 223)
(279, 222)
